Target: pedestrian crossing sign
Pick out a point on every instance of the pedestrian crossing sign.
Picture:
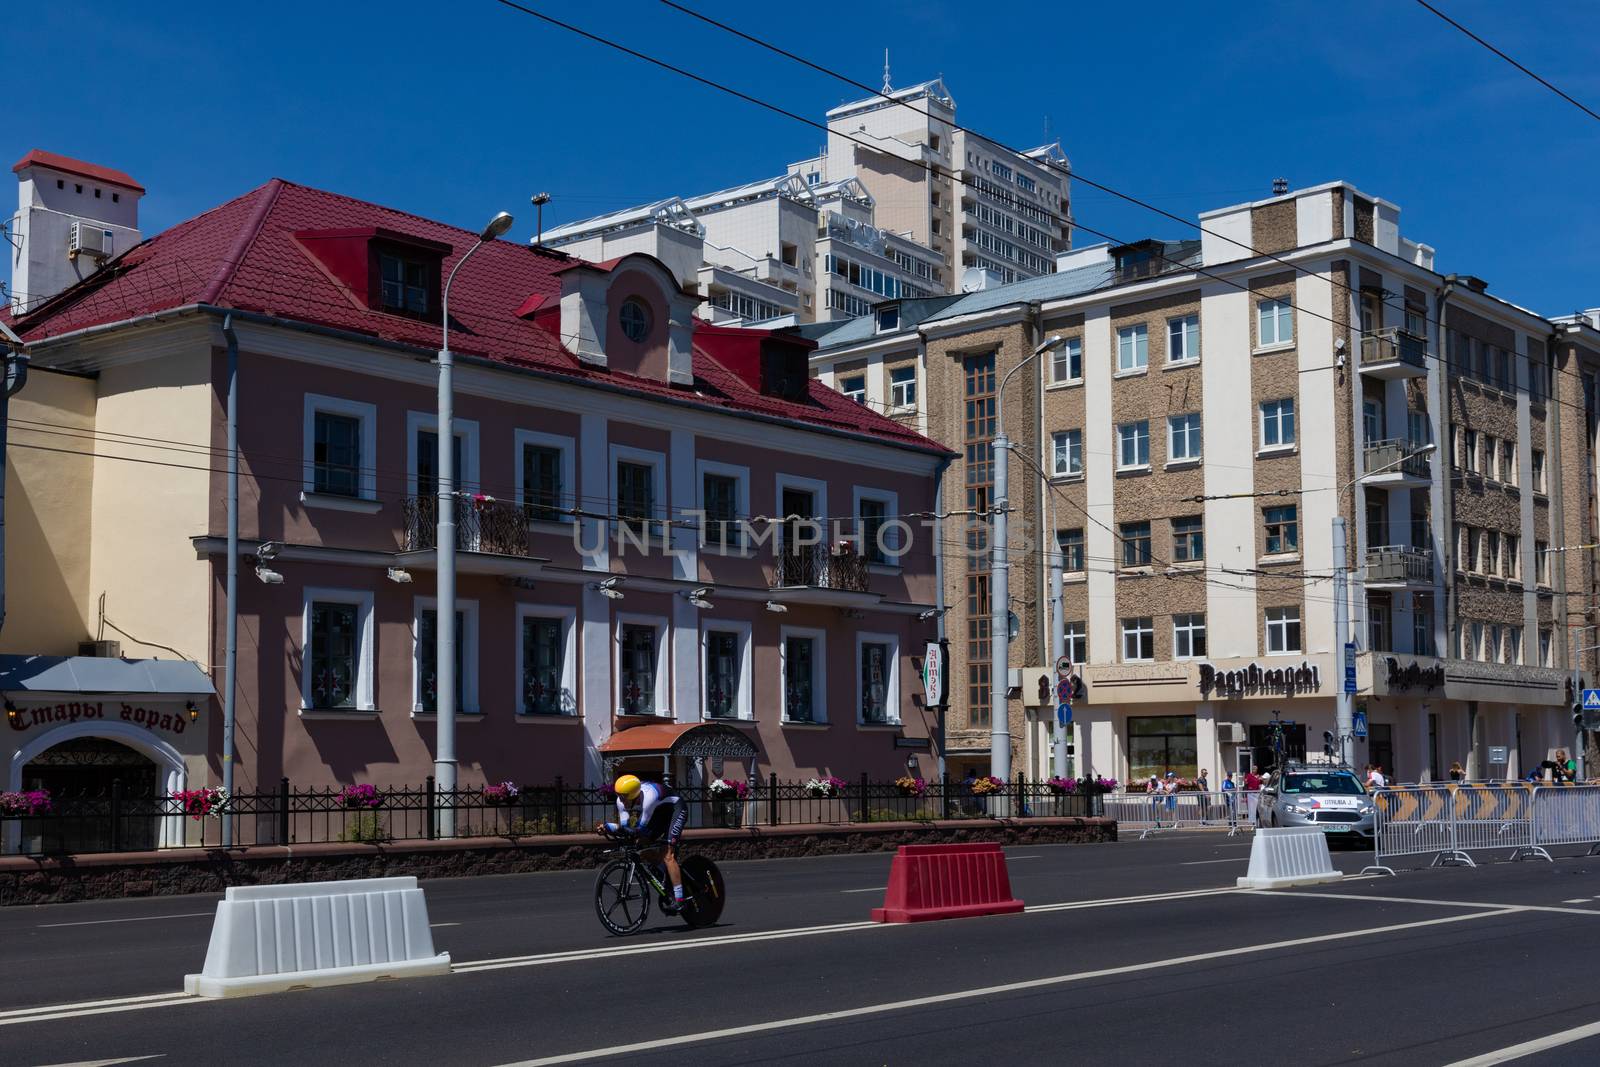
(1591, 700)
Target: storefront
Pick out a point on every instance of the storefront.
(82, 728)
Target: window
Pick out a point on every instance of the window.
(1419, 431)
(723, 664)
(1470, 450)
(1510, 563)
(1066, 363)
(1546, 649)
(338, 454)
(1514, 644)
(1188, 539)
(854, 388)
(340, 445)
(888, 319)
(636, 495)
(802, 676)
(634, 318)
(1283, 530)
(1491, 458)
(1138, 640)
(1188, 637)
(546, 661)
(1183, 339)
(1274, 322)
(1077, 643)
(336, 641)
(1133, 348)
(1538, 471)
(1277, 423)
(1133, 445)
(978, 444)
(720, 503)
(1491, 651)
(1469, 549)
(1070, 544)
(1380, 624)
(1183, 438)
(871, 515)
(638, 676)
(1135, 544)
(426, 664)
(543, 482)
(903, 387)
(1372, 420)
(404, 285)
(1067, 455)
(1541, 562)
(1491, 552)
(1283, 631)
(877, 696)
(1475, 642)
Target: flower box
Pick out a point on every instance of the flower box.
(824, 788)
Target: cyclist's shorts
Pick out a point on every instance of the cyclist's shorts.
(667, 822)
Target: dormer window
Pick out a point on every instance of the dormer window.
(404, 284)
(634, 317)
(888, 318)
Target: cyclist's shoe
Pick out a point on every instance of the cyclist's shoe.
(672, 907)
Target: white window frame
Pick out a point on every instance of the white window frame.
(367, 413)
(469, 654)
(569, 484)
(1071, 351)
(897, 546)
(1124, 439)
(365, 682)
(858, 395)
(663, 700)
(468, 479)
(1073, 439)
(1138, 362)
(1282, 624)
(1280, 445)
(1541, 564)
(1547, 648)
(1194, 434)
(568, 617)
(1277, 307)
(819, 496)
(1078, 630)
(1540, 466)
(819, 673)
(1187, 358)
(897, 399)
(1189, 629)
(1125, 631)
(658, 503)
(891, 697)
(741, 493)
(744, 699)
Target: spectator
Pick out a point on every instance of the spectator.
(1375, 778)
(1457, 773)
(1567, 767)
(1170, 789)
(1252, 781)
(1230, 791)
(1203, 783)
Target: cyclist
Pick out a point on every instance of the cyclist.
(656, 826)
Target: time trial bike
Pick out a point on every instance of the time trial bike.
(624, 886)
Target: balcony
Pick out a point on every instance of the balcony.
(491, 537)
(1396, 464)
(818, 574)
(1399, 567)
(1393, 353)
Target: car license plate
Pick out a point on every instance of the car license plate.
(1336, 828)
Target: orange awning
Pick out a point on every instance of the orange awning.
(692, 739)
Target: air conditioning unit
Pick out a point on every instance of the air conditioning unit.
(89, 239)
(1230, 733)
(100, 649)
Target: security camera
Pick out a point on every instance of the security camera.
(269, 576)
(268, 550)
(776, 608)
(396, 574)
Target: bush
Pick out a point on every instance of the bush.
(544, 824)
(365, 828)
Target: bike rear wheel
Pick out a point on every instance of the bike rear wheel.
(621, 897)
(703, 890)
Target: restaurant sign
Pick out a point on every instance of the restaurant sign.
(25, 718)
(1256, 680)
(1414, 676)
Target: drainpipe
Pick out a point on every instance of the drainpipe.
(16, 378)
(231, 651)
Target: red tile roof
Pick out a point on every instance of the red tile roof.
(243, 254)
(92, 171)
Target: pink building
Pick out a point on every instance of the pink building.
(617, 563)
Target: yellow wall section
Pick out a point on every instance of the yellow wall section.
(49, 533)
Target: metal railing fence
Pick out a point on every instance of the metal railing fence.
(1151, 813)
(1452, 820)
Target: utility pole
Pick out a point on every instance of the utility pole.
(1058, 647)
(231, 648)
(16, 376)
(1344, 717)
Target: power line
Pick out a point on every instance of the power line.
(1542, 81)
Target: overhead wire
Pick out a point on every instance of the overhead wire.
(1585, 108)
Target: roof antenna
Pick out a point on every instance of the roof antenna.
(887, 89)
(539, 201)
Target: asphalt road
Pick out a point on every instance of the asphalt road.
(1130, 952)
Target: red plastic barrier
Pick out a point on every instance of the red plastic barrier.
(947, 882)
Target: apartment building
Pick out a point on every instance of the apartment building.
(621, 573)
(1212, 406)
(976, 203)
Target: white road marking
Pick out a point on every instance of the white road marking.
(111, 1063)
(1577, 900)
(437, 926)
(1432, 902)
(1228, 859)
(1528, 1048)
(989, 991)
(1030, 856)
(868, 889)
(50, 1012)
(134, 919)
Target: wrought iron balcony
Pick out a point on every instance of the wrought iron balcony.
(1398, 567)
(820, 567)
(1396, 463)
(1393, 353)
(492, 527)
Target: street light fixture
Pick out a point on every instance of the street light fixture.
(444, 756)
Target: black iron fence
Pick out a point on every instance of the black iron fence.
(493, 526)
(118, 822)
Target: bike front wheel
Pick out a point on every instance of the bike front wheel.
(621, 897)
(702, 884)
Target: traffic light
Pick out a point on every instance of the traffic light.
(1577, 716)
(1327, 743)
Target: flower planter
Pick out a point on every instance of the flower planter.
(727, 814)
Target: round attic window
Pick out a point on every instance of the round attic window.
(635, 319)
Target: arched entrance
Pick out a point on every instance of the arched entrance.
(81, 775)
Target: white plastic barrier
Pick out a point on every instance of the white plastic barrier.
(1290, 855)
(270, 938)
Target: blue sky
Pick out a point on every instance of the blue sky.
(458, 110)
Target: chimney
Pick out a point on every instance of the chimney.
(72, 218)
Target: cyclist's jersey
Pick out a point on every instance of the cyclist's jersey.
(652, 798)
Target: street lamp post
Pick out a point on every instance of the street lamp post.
(1000, 582)
(1344, 705)
(444, 756)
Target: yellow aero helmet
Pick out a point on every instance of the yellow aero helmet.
(628, 786)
